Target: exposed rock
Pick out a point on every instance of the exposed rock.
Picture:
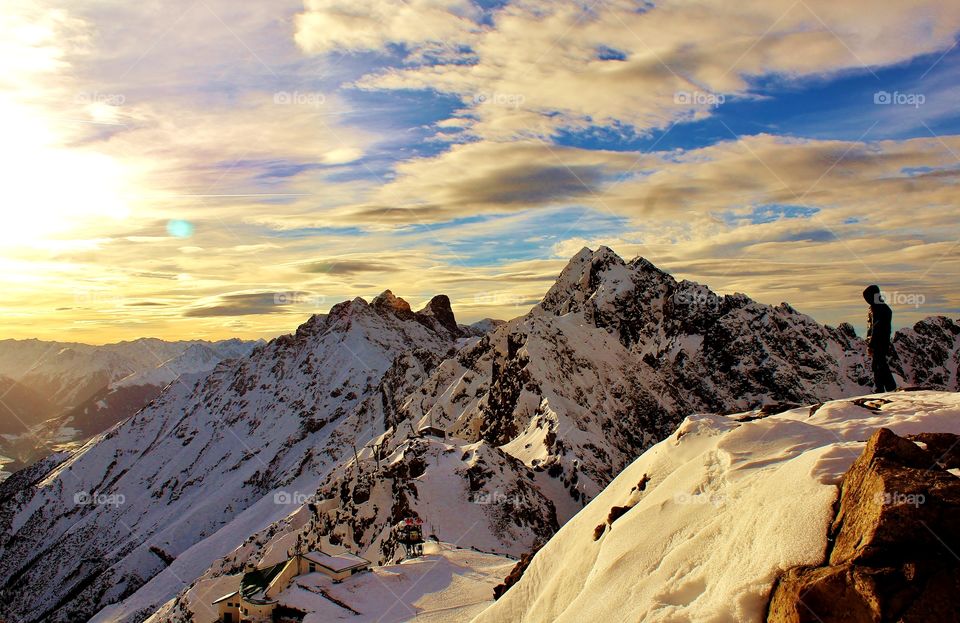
(439, 309)
(943, 446)
(895, 488)
(929, 353)
(767, 410)
(911, 593)
(778, 407)
(387, 301)
(516, 573)
(893, 542)
(616, 513)
(598, 531)
(873, 404)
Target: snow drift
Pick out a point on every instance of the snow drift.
(710, 516)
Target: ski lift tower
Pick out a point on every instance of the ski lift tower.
(411, 536)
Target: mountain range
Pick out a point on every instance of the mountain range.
(56, 395)
(494, 435)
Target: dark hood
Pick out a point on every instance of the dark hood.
(872, 295)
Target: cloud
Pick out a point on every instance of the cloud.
(335, 266)
(486, 177)
(841, 179)
(340, 26)
(541, 67)
(249, 303)
(255, 124)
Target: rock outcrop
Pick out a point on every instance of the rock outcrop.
(892, 553)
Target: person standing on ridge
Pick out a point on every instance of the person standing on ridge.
(879, 327)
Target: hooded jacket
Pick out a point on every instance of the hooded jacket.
(879, 320)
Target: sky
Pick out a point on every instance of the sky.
(207, 168)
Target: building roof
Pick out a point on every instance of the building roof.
(225, 597)
(337, 562)
(434, 431)
(253, 584)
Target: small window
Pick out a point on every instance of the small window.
(313, 567)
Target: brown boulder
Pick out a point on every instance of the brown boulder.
(892, 545)
(894, 500)
(945, 447)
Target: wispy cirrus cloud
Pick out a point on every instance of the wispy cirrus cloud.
(334, 149)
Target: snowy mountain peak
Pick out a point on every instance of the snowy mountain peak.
(439, 308)
(595, 282)
(579, 280)
(386, 300)
(196, 469)
(344, 308)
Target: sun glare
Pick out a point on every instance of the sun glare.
(52, 190)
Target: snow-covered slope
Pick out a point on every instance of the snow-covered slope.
(545, 410)
(616, 355)
(325, 426)
(711, 515)
(468, 494)
(471, 493)
(447, 585)
(191, 476)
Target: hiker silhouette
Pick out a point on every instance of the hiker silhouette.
(879, 327)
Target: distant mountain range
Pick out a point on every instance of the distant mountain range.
(494, 435)
(56, 394)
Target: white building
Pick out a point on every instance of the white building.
(256, 601)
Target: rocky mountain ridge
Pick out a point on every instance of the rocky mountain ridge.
(374, 412)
